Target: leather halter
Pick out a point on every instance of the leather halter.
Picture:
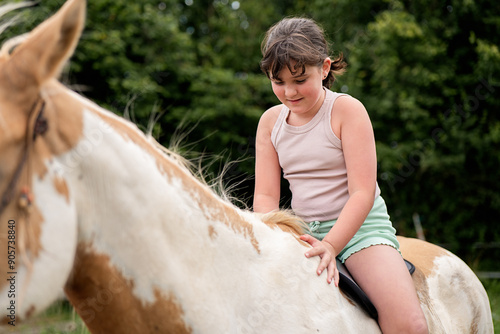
(41, 126)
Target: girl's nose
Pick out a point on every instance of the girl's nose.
(290, 91)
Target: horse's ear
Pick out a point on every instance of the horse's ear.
(43, 54)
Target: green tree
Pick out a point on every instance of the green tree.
(426, 70)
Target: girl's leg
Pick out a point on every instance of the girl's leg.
(381, 272)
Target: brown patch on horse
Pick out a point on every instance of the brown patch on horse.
(216, 209)
(422, 254)
(104, 299)
(61, 187)
(30, 311)
(213, 207)
(211, 232)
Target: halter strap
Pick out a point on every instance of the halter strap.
(40, 127)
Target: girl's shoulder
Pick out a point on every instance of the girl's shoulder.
(347, 110)
(348, 106)
(347, 101)
(270, 116)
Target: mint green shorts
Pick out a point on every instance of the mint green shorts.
(376, 230)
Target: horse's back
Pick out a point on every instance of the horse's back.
(452, 297)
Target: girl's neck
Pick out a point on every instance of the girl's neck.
(300, 119)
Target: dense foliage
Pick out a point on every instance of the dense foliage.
(427, 71)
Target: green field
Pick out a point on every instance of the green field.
(493, 289)
(61, 318)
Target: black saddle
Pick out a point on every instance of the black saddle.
(353, 291)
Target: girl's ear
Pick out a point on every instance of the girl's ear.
(327, 63)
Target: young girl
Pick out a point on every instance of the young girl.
(324, 143)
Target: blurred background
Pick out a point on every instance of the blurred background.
(428, 72)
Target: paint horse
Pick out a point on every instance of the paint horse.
(91, 204)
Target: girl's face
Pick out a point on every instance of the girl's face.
(302, 93)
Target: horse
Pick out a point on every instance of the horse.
(93, 205)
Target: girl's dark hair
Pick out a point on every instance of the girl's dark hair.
(302, 41)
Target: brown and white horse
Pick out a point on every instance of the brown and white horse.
(89, 203)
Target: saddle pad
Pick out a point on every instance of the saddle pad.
(353, 291)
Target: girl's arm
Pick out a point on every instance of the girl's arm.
(267, 167)
(354, 128)
(351, 123)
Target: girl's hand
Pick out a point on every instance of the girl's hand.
(327, 254)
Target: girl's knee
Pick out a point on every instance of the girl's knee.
(416, 324)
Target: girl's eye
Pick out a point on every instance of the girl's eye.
(301, 81)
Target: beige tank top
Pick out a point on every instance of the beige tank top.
(313, 162)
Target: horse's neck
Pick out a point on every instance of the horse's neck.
(142, 209)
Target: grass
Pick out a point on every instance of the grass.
(492, 286)
(58, 319)
(62, 319)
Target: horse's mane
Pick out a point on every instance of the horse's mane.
(286, 220)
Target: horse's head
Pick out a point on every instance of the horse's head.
(37, 213)
(72, 209)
